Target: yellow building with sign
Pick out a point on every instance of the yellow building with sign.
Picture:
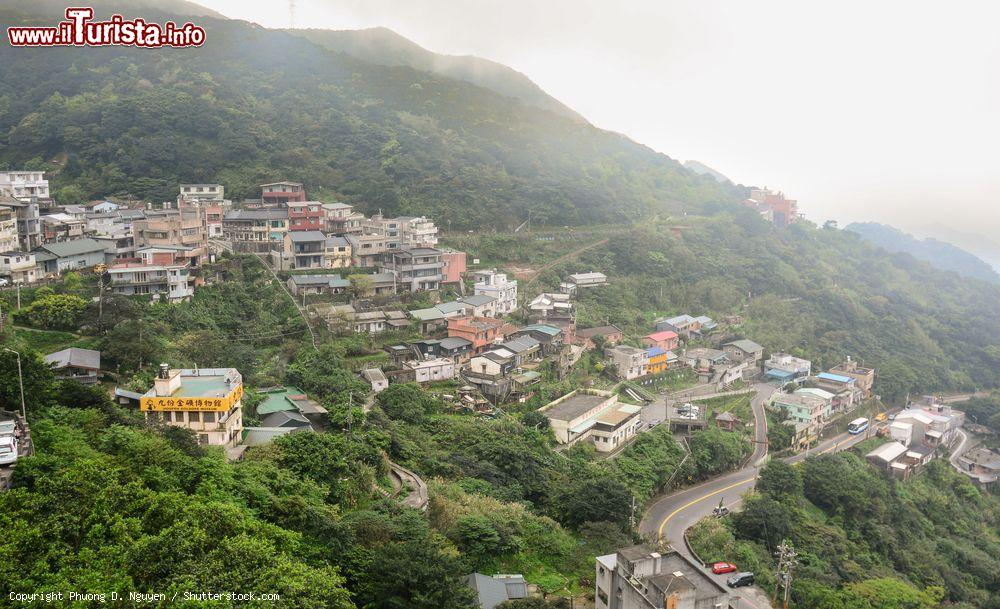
(208, 401)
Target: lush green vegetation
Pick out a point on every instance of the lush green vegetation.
(984, 411)
(821, 294)
(866, 541)
(501, 497)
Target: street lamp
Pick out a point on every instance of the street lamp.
(20, 382)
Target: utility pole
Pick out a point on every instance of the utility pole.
(631, 518)
(20, 383)
(786, 565)
(350, 416)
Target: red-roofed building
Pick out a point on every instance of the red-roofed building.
(665, 339)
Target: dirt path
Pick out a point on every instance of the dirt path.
(562, 259)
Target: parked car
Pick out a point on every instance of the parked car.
(3, 282)
(881, 417)
(723, 567)
(740, 579)
(653, 423)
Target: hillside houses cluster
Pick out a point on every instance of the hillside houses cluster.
(774, 207)
(156, 252)
(145, 251)
(817, 399)
(915, 435)
(661, 351)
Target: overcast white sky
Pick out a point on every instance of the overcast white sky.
(880, 110)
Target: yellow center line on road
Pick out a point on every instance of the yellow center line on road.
(697, 500)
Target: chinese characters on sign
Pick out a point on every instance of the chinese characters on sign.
(220, 404)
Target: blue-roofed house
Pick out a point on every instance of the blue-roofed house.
(844, 388)
(784, 367)
(657, 360)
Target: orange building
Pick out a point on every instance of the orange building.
(480, 331)
(657, 360)
(454, 266)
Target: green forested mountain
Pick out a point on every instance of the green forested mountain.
(384, 47)
(822, 294)
(253, 105)
(940, 254)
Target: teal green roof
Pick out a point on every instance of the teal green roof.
(279, 400)
(544, 329)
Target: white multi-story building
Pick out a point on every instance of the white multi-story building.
(418, 231)
(8, 229)
(784, 367)
(24, 185)
(629, 362)
(430, 370)
(203, 192)
(492, 283)
(161, 274)
(644, 577)
(18, 267)
(404, 231)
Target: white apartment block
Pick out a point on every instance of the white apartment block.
(18, 267)
(159, 275)
(203, 192)
(8, 229)
(404, 231)
(430, 370)
(492, 283)
(24, 185)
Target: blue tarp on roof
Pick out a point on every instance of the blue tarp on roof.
(781, 375)
(654, 351)
(837, 378)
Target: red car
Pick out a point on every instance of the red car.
(723, 567)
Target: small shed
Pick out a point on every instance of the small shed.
(727, 421)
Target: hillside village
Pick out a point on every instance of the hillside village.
(471, 335)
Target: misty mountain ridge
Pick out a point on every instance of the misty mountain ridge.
(940, 254)
(254, 105)
(703, 169)
(383, 46)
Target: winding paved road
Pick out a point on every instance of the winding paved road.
(960, 449)
(670, 516)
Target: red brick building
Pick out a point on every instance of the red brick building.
(305, 215)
